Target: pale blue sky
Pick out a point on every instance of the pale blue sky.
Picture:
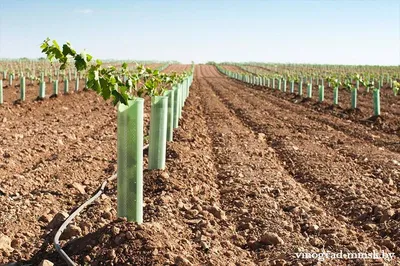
(332, 32)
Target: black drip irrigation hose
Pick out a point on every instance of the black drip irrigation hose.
(75, 213)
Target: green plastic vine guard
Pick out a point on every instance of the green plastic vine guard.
(280, 84)
(301, 88)
(284, 85)
(357, 84)
(377, 102)
(182, 90)
(183, 98)
(273, 83)
(11, 78)
(180, 97)
(336, 95)
(66, 85)
(42, 90)
(23, 88)
(76, 85)
(311, 80)
(309, 91)
(170, 121)
(130, 160)
(186, 88)
(41, 76)
(176, 106)
(55, 87)
(1, 91)
(158, 132)
(354, 98)
(321, 93)
(292, 86)
(4, 74)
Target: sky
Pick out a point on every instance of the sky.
(362, 32)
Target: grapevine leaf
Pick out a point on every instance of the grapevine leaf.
(119, 97)
(67, 50)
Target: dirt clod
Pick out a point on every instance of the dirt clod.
(269, 238)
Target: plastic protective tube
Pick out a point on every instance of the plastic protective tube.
(309, 91)
(55, 87)
(377, 102)
(301, 88)
(66, 89)
(354, 98)
(321, 93)
(336, 96)
(170, 121)
(158, 132)
(130, 160)
(76, 85)
(23, 89)
(42, 90)
(176, 107)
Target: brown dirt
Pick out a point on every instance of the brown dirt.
(177, 68)
(251, 179)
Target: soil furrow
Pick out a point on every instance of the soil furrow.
(259, 173)
(314, 169)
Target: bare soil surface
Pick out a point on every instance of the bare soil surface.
(251, 179)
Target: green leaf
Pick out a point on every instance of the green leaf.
(113, 80)
(105, 88)
(119, 97)
(67, 50)
(55, 44)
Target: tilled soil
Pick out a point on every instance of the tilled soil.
(251, 179)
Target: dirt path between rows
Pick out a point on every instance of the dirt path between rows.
(357, 182)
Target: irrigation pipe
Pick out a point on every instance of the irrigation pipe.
(75, 213)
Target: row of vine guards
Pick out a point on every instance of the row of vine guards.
(52, 79)
(127, 90)
(165, 113)
(267, 82)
